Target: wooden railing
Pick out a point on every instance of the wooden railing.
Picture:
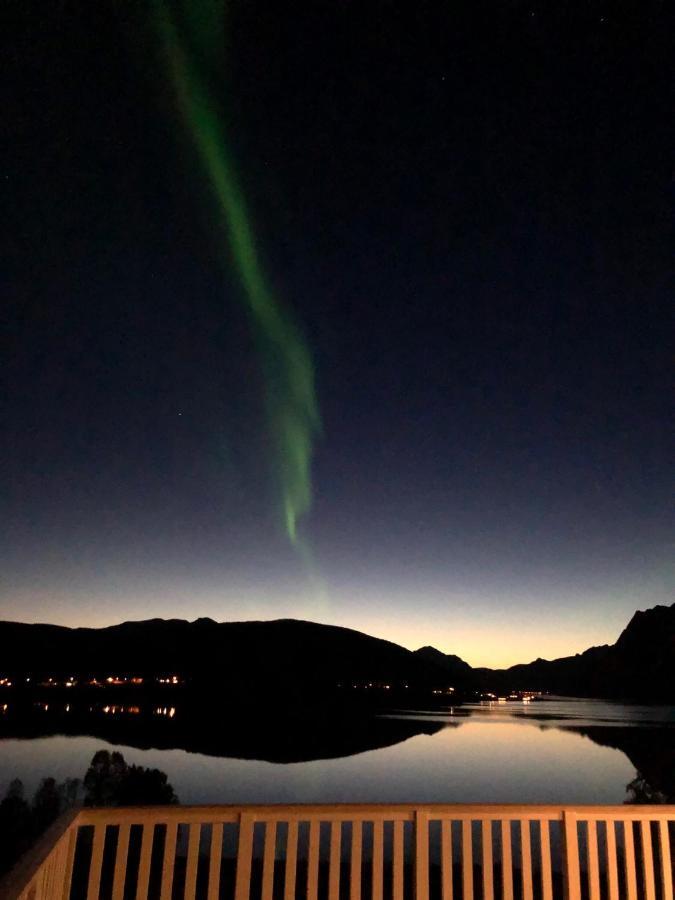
(354, 851)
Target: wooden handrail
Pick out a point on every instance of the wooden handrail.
(45, 872)
(365, 811)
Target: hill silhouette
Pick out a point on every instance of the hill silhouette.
(293, 659)
(640, 665)
(290, 658)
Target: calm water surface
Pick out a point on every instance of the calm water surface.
(563, 751)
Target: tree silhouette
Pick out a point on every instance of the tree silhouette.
(640, 791)
(16, 825)
(110, 781)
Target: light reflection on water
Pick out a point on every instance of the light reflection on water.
(558, 713)
(526, 753)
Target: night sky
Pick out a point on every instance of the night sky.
(466, 210)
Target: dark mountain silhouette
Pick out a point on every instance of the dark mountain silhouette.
(287, 658)
(640, 665)
(456, 668)
(292, 659)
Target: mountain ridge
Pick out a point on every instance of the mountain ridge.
(640, 664)
(299, 656)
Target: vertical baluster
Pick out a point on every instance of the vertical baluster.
(666, 869)
(486, 848)
(169, 860)
(53, 874)
(592, 860)
(355, 868)
(244, 858)
(94, 881)
(291, 860)
(647, 859)
(546, 874)
(64, 878)
(467, 861)
(121, 854)
(334, 860)
(144, 862)
(398, 861)
(421, 854)
(40, 881)
(378, 858)
(269, 856)
(215, 857)
(46, 870)
(629, 860)
(507, 861)
(446, 859)
(49, 875)
(194, 833)
(44, 883)
(612, 868)
(57, 886)
(70, 859)
(313, 861)
(47, 880)
(526, 858)
(572, 870)
(59, 866)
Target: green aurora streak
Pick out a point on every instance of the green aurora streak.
(192, 33)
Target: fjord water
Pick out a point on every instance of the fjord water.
(554, 751)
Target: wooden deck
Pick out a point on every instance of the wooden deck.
(353, 852)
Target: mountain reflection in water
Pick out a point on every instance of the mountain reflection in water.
(553, 751)
(279, 736)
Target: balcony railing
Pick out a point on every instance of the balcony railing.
(353, 852)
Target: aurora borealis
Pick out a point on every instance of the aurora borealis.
(194, 46)
(439, 237)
